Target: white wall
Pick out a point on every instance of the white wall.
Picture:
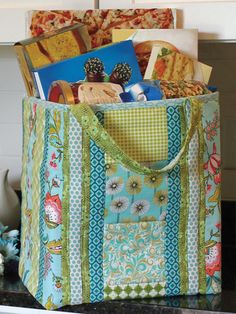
(13, 14)
(11, 93)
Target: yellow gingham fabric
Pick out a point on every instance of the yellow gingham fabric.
(140, 132)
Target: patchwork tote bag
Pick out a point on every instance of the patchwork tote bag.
(120, 200)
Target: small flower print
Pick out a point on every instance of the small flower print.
(56, 182)
(53, 155)
(160, 198)
(53, 164)
(208, 188)
(53, 210)
(213, 259)
(212, 126)
(140, 207)
(153, 181)
(110, 169)
(134, 185)
(119, 204)
(114, 186)
(47, 174)
(57, 283)
(47, 263)
(213, 165)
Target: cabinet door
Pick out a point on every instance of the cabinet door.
(13, 15)
(213, 19)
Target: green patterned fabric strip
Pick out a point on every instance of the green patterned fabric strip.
(26, 113)
(202, 214)
(65, 215)
(91, 125)
(85, 217)
(43, 167)
(183, 264)
(135, 291)
(37, 158)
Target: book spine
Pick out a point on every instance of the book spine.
(39, 86)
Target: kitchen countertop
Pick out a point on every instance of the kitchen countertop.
(13, 293)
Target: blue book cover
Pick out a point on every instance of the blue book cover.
(116, 63)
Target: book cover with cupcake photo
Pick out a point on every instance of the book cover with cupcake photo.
(116, 63)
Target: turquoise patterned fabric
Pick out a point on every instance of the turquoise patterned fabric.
(134, 198)
(134, 253)
(173, 208)
(212, 181)
(52, 179)
(134, 220)
(96, 221)
(41, 224)
(28, 196)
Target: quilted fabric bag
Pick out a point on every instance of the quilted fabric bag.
(120, 200)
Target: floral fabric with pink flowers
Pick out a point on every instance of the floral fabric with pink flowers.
(96, 228)
(212, 180)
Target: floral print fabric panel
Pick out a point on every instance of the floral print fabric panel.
(29, 114)
(133, 253)
(50, 284)
(212, 179)
(133, 198)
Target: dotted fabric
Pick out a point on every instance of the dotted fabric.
(192, 229)
(75, 148)
(140, 132)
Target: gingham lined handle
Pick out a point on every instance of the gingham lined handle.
(94, 129)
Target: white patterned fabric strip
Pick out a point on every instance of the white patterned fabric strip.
(192, 230)
(75, 148)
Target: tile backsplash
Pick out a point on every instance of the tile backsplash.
(12, 91)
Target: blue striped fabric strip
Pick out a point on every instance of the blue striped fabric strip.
(96, 222)
(174, 202)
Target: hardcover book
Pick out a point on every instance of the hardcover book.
(54, 46)
(115, 63)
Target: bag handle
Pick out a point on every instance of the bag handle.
(91, 125)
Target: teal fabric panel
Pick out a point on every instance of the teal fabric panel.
(173, 207)
(96, 221)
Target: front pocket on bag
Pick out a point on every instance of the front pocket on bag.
(133, 253)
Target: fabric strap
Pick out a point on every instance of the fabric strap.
(91, 125)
